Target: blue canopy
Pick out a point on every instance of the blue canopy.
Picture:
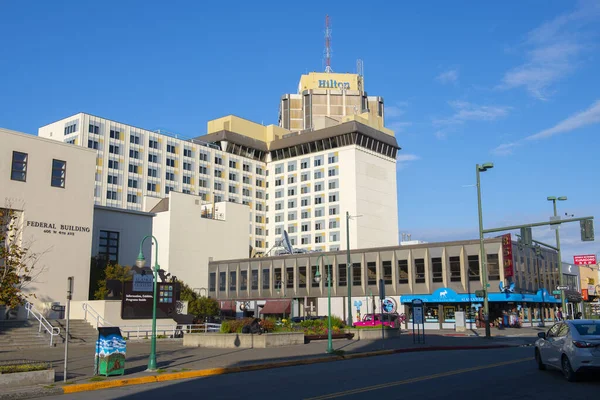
(447, 295)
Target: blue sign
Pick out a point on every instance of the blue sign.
(357, 304)
(389, 305)
(447, 295)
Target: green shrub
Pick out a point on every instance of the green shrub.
(10, 369)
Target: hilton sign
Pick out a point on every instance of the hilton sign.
(333, 84)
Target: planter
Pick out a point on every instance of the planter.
(18, 379)
(308, 338)
(242, 341)
(375, 334)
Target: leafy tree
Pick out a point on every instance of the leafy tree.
(112, 272)
(199, 306)
(18, 264)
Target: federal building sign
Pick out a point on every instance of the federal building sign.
(58, 229)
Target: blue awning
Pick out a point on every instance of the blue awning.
(447, 295)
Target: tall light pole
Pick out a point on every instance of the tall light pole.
(553, 199)
(349, 267)
(318, 279)
(141, 262)
(483, 264)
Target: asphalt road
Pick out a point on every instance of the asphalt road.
(490, 374)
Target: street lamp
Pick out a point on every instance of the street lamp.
(141, 262)
(318, 280)
(486, 310)
(349, 266)
(553, 199)
(280, 290)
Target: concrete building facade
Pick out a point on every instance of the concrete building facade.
(50, 187)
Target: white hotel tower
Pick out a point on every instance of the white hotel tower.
(302, 182)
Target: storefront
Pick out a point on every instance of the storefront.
(508, 308)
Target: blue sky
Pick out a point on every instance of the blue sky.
(511, 82)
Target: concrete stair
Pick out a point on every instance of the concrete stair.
(80, 331)
(15, 335)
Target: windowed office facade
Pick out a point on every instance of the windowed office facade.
(445, 275)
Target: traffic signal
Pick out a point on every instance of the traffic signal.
(587, 230)
(526, 236)
(538, 251)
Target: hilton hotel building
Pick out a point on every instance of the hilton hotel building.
(302, 180)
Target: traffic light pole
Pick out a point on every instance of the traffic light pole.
(560, 276)
(534, 224)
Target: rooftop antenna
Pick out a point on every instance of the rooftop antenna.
(327, 46)
(360, 67)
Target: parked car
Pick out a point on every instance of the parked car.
(570, 346)
(391, 320)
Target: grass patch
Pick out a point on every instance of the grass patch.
(161, 371)
(97, 378)
(49, 386)
(25, 367)
(338, 352)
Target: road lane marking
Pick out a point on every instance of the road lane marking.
(418, 379)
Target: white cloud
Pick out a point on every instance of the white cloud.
(465, 111)
(450, 76)
(441, 134)
(553, 51)
(398, 126)
(393, 111)
(403, 159)
(580, 119)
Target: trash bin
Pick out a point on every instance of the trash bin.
(110, 352)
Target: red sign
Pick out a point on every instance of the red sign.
(507, 256)
(588, 259)
(584, 295)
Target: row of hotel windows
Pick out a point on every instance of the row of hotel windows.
(357, 274)
(153, 144)
(306, 176)
(304, 163)
(18, 171)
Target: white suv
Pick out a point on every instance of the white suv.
(571, 346)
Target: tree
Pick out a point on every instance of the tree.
(18, 264)
(113, 272)
(199, 306)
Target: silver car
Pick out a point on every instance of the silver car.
(571, 346)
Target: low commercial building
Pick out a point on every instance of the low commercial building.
(445, 275)
(49, 187)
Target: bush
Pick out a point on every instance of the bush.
(235, 326)
(319, 326)
(27, 367)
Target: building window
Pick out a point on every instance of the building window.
(94, 129)
(333, 198)
(333, 224)
(254, 279)
(92, 144)
(455, 269)
(289, 277)
(356, 274)
(232, 176)
(318, 199)
(305, 227)
(153, 144)
(318, 187)
(436, 269)
(151, 187)
(232, 164)
(419, 270)
(246, 167)
(19, 166)
(403, 271)
(291, 167)
(108, 246)
(387, 272)
(292, 192)
(169, 176)
(305, 202)
(304, 164)
(115, 134)
(333, 210)
(333, 185)
(212, 282)
(153, 158)
(473, 263)
(170, 162)
(332, 159)
(371, 273)
(187, 180)
(493, 266)
(318, 175)
(342, 275)
(133, 168)
(171, 149)
(243, 280)
(218, 173)
(187, 166)
(266, 278)
(318, 162)
(134, 154)
(222, 278)
(131, 198)
(232, 280)
(152, 172)
(278, 182)
(302, 277)
(313, 273)
(203, 170)
(291, 179)
(218, 160)
(332, 172)
(304, 177)
(187, 152)
(134, 139)
(59, 172)
(132, 183)
(114, 164)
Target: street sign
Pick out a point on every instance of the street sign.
(556, 292)
(381, 289)
(143, 283)
(562, 288)
(480, 293)
(587, 259)
(418, 312)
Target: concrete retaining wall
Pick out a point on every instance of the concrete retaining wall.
(242, 341)
(373, 334)
(27, 378)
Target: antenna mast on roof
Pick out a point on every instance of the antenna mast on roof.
(327, 45)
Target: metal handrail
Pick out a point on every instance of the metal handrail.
(100, 321)
(52, 330)
(140, 331)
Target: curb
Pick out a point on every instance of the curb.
(85, 387)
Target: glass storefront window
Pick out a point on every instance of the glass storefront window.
(449, 313)
(431, 313)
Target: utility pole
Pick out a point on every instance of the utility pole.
(560, 276)
(67, 315)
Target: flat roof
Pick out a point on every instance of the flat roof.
(234, 138)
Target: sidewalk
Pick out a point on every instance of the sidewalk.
(173, 357)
